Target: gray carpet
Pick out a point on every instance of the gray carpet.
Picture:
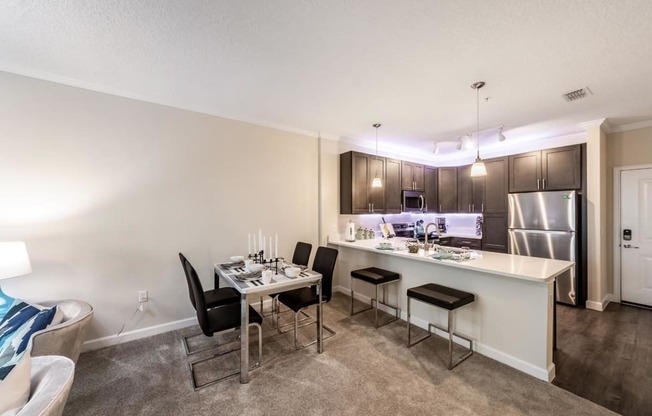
(363, 371)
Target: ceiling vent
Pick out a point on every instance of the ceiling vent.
(577, 94)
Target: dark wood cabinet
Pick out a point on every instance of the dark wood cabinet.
(356, 194)
(393, 194)
(546, 170)
(470, 191)
(447, 189)
(445, 241)
(412, 177)
(494, 233)
(496, 186)
(430, 187)
(561, 168)
(472, 243)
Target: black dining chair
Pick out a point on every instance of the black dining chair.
(212, 298)
(301, 257)
(298, 299)
(218, 320)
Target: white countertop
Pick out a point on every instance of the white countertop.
(509, 265)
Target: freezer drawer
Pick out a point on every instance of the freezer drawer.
(558, 245)
(543, 210)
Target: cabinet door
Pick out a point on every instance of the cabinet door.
(447, 189)
(430, 188)
(407, 176)
(495, 195)
(361, 183)
(418, 175)
(561, 168)
(525, 172)
(477, 205)
(464, 189)
(393, 198)
(377, 195)
(494, 233)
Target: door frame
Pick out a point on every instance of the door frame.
(617, 227)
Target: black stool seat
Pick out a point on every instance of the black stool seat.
(441, 296)
(375, 276)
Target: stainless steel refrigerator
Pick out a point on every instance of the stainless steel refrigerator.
(544, 224)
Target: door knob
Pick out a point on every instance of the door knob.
(629, 246)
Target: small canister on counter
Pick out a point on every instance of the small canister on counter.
(360, 234)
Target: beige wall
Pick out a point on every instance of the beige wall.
(628, 148)
(106, 191)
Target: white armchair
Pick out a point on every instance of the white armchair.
(65, 338)
(50, 385)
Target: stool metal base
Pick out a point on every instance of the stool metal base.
(448, 330)
(374, 303)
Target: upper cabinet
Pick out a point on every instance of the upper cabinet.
(496, 186)
(447, 189)
(412, 177)
(357, 170)
(393, 193)
(470, 191)
(431, 188)
(546, 170)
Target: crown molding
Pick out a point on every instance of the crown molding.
(626, 127)
(593, 123)
(89, 86)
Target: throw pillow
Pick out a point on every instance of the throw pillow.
(16, 331)
(15, 388)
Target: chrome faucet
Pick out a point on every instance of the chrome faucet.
(425, 230)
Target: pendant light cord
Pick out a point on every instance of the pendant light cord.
(477, 103)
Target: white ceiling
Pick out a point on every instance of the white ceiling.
(336, 67)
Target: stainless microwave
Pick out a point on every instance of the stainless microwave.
(413, 201)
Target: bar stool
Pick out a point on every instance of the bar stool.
(378, 278)
(446, 298)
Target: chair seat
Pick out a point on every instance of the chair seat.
(227, 316)
(298, 299)
(441, 296)
(375, 276)
(221, 296)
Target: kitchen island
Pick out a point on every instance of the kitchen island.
(511, 319)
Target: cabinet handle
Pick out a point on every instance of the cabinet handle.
(538, 182)
(440, 208)
(482, 207)
(469, 207)
(369, 207)
(372, 207)
(401, 207)
(473, 208)
(544, 183)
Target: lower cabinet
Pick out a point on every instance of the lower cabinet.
(472, 243)
(494, 233)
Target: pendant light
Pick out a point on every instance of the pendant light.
(376, 183)
(478, 168)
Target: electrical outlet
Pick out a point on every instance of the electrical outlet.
(142, 296)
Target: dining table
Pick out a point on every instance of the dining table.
(250, 287)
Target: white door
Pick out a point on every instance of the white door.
(636, 253)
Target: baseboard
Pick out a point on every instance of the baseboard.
(96, 344)
(545, 374)
(599, 306)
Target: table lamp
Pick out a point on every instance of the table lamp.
(14, 262)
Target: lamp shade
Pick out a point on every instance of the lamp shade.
(14, 260)
(478, 168)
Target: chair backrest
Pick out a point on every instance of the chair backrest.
(302, 253)
(185, 264)
(200, 301)
(324, 263)
(50, 384)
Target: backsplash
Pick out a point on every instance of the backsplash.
(465, 224)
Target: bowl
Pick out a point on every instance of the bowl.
(236, 259)
(254, 267)
(292, 271)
